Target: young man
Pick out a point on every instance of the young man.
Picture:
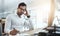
(18, 22)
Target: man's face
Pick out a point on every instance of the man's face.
(21, 10)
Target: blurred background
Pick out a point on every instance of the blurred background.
(43, 12)
(38, 9)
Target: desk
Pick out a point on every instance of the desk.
(50, 31)
(33, 32)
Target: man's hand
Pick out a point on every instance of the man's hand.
(26, 13)
(13, 32)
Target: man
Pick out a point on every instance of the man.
(18, 22)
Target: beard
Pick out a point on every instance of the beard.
(19, 14)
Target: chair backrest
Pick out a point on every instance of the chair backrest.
(0, 29)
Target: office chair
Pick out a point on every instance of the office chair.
(0, 29)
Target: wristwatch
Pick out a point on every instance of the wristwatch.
(28, 16)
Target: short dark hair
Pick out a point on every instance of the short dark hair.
(21, 4)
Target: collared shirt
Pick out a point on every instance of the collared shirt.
(19, 23)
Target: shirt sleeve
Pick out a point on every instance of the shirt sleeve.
(30, 22)
(8, 25)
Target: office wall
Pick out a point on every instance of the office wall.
(42, 9)
(38, 9)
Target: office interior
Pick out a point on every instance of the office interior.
(45, 15)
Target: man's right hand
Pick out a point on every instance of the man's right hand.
(13, 32)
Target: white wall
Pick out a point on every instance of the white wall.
(42, 9)
(38, 9)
